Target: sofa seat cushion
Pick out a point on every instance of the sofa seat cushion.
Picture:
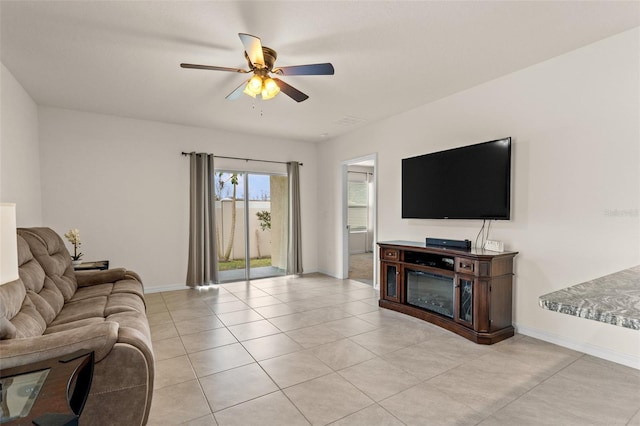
(92, 291)
(81, 309)
(129, 286)
(124, 302)
(132, 325)
(71, 325)
(117, 301)
(121, 286)
(99, 307)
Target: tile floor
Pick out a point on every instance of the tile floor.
(317, 350)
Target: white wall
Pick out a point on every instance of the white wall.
(19, 151)
(124, 184)
(574, 121)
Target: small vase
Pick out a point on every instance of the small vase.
(76, 262)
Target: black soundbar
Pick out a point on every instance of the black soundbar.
(454, 244)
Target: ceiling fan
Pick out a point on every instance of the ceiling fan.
(261, 59)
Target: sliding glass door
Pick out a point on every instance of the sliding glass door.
(251, 224)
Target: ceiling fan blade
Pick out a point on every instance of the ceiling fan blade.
(291, 91)
(213, 68)
(237, 92)
(311, 69)
(253, 47)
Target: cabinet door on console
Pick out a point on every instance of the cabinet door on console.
(390, 285)
(464, 304)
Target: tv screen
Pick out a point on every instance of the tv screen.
(472, 182)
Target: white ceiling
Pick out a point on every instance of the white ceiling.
(122, 57)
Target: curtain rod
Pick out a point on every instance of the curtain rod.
(245, 159)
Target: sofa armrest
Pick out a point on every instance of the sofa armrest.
(130, 275)
(88, 278)
(99, 338)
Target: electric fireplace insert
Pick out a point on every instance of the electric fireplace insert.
(431, 291)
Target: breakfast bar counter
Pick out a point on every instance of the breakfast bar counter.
(613, 299)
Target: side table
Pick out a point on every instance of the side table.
(100, 265)
(46, 393)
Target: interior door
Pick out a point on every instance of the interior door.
(360, 223)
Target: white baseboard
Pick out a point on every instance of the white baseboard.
(159, 289)
(173, 287)
(327, 273)
(587, 348)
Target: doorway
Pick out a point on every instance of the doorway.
(359, 217)
(251, 222)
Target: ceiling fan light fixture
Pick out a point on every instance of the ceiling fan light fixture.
(247, 92)
(269, 89)
(261, 60)
(254, 86)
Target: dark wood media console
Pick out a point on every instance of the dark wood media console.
(466, 292)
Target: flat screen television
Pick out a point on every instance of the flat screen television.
(471, 182)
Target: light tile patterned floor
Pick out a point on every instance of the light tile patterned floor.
(317, 350)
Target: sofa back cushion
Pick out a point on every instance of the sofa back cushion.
(49, 250)
(12, 296)
(41, 291)
(19, 316)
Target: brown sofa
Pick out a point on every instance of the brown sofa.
(52, 311)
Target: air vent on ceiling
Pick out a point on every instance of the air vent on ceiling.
(349, 120)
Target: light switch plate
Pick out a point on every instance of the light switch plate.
(494, 246)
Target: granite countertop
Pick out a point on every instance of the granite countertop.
(613, 299)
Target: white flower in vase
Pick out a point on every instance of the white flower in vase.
(74, 238)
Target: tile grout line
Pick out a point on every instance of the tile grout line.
(379, 325)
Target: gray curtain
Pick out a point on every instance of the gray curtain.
(294, 247)
(203, 257)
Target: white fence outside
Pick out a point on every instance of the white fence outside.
(260, 240)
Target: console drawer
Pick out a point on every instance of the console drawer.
(468, 266)
(390, 254)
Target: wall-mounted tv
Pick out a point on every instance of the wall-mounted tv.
(471, 182)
